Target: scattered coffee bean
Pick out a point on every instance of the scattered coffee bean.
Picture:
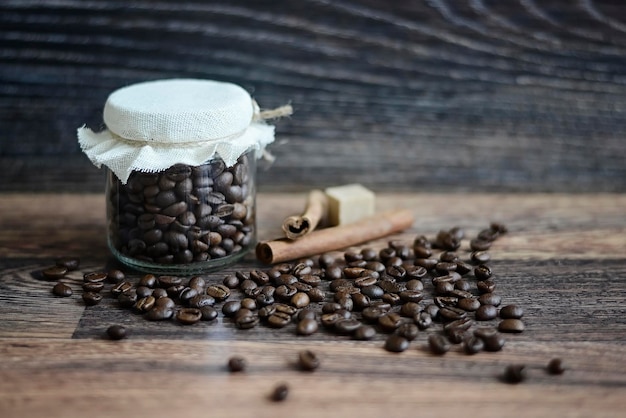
(92, 298)
(70, 263)
(208, 313)
(54, 272)
(116, 276)
(555, 366)
(438, 344)
(237, 364)
(364, 333)
(94, 277)
(280, 393)
(408, 331)
(307, 326)
(511, 312)
(117, 332)
(486, 313)
(514, 373)
(472, 344)
(189, 316)
(511, 325)
(396, 343)
(62, 290)
(308, 360)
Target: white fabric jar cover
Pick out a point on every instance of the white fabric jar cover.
(153, 125)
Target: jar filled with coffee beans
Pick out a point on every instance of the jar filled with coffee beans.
(181, 159)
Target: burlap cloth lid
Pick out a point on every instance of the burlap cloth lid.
(154, 125)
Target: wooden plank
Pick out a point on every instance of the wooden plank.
(437, 96)
(562, 261)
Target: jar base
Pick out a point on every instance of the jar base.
(187, 269)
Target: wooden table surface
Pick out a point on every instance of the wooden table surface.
(563, 261)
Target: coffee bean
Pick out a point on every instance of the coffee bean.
(480, 257)
(463, 285)
(373, 291)
(279, 320)
(70, 263)
(144, 304)
(143, 291)
(486, 286)
(477, 244)
(230, 308)
(346, 326)
(490, 299)
(472, 344)
(427, 263)
(169, 281)
(93, 287)
(423, 320)
(231, 281)
(555, 366)
(308, 360)
(396, 343)
(115, 276)
(218, 291)
(300, 300)
(450, 313)
(364, 333)
(117, 332)
(482, 272)
(408, 331)
(92, 298)
(511, 312)
(307, 326)
(413, 296)
(120, 288)
(389, 322)
(189, 316)
(514, 373)
(468, 304)
(62, 290)
(438, 344)
(486, 313)
(246, 319)
(415, 284)
(128, 298)
(280, 393)
(54, 272)
(209, 313)
(511, 326)
(410, 309)
(237, 364)
(94, 277)
(493, 342)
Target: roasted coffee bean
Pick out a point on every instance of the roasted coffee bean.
(444, 288)
(372, 313)
(246, 319)
(422, 252)
(455, 335)
(413, 296)
(463, 324)
(279, 320)
(262, 300)
(259, 277)
(477, 244)
(493, 342)
(159, 313)
(486, 286)
(93, 287)
(410, 309)
(62, 290)
(423, 320)
(468, 304)
(169, 281)
(312, 280)
(427, 263)
(280, 393)
(438, 344)
(451, 313)
(165, 301)
(188, 316)
(364, 281)
(443, 267)
(555, 366)
(488, 235)
(330, 319)
(159, 293)
(486, 313)
(250, 303)
(92, 298)
(54, 272)
(391, 286)
(364, 333)
(70, 263)
(392, 299)
(463, 267)
(308, 360)
(360, 301)
(127, 298)
(482, 272)
(415, 284)
(330, 307)
(174, 291)
(307, 326)
(237, 364)
(396, 343)
(197, 282)
(115, 276)
(499, 228)
(218, 291)
(148, 280)
(231, 281)
(480, 257)
(490, 299)
(472, 344)
(514, 373)
(511, 312)
(397, 272)
(144, 304)
(94, 277)
(120, 288)
(285, 292)
(346, 326)
(230, 308)
(390, 321)
(300, 300)
(209, 313)
(245, 285)
(511, 326)
(199, 301)
(373, 292)
(117, 332)
(408, 331)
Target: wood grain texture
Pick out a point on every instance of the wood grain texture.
(562, 261)
(434, 95)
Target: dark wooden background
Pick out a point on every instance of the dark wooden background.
(433, 95)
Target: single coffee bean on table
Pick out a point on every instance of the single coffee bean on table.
(514, 373)
(307, 326)
(62, 290)
(308, 360)
(54, 272)
(117, 332)
(237, 364)
(555, 366)
(438, 344)
(280, 392)
(511, 312)
(511, 326)
(91, 298)
(396, 343)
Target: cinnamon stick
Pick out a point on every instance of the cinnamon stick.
(335, 238)
(314, 214)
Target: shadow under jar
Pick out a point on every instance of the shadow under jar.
(185, 219)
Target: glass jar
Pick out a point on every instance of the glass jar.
(185, 219)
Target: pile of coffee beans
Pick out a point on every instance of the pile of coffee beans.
(184, 214)
(427, 289)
